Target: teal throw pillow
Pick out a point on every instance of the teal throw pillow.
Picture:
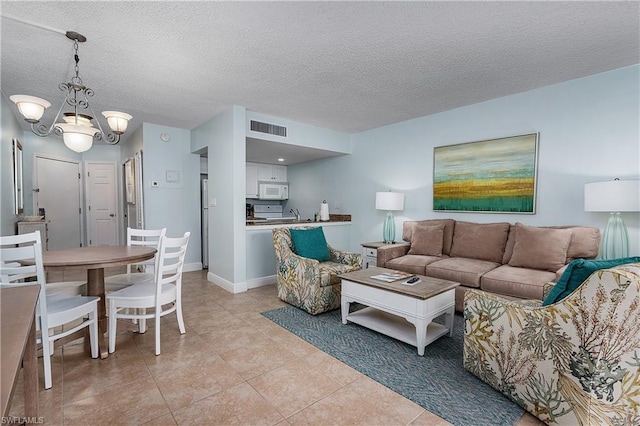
(310, 243)
(577, 272)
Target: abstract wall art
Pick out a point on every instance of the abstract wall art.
(492, 176)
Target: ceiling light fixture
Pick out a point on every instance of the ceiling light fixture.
(77, 129)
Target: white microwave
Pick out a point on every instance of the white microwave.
(273, 191)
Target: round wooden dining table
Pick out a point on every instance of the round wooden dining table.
(94, 259)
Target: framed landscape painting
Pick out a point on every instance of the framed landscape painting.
(493, 176)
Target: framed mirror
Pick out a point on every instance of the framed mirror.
(18, 195)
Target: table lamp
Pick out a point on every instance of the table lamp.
(614, 196)
(389, 201)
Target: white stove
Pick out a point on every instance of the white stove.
(269, 212)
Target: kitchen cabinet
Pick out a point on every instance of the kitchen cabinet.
(272, 173)
(252, 180)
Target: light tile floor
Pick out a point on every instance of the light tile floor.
(232, 367)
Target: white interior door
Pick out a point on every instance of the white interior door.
(56, 184)
(102, 204)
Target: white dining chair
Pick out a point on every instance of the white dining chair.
(166, 290)
(137, 237)
(52, 311)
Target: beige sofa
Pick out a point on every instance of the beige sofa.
(513, 261)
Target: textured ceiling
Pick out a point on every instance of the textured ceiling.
(348, 66)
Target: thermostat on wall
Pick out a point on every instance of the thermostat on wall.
(173, 176)
(165, 137)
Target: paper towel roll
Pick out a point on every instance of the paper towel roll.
(324, 211)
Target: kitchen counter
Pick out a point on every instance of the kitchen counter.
(263, 224)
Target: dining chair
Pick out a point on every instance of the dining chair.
(137, 237)
(165, 290)
(21, 259)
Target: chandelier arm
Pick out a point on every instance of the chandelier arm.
(40, 129)
(110, 138)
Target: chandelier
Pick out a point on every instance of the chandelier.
(77, 128)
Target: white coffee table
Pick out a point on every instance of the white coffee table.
(397, 310)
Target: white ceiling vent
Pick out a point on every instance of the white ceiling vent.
(272, 129)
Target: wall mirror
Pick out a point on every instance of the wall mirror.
(18, 193)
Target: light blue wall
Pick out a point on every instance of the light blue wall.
(589, 131)
(174, 205)
(10, 130)
(224, 139)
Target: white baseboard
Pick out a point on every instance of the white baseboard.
(227, 285)
(190, 267)
(262, 281)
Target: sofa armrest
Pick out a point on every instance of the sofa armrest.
(391, 251)
(345, 257)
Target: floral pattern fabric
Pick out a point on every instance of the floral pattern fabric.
(306, 283)
(575, 362)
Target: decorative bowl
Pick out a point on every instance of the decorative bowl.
(32, 218)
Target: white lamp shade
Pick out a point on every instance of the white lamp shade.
(389, 201)
(30, 107)
(118, 121)
(76, 137)
(612, 196)
(79, 119)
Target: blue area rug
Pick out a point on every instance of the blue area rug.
(437, 381)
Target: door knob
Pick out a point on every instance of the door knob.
(112, 215)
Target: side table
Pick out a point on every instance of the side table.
(370, 254)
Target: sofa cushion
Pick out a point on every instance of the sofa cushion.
(540, 248)
(427, 240)
(414, 264)
(577, 272)
(585, 242)
(310, 243)
(483, 241)
(462, 270)
(524, 283)
(407, 231)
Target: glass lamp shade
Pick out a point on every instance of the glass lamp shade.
(118, 121)
(31, 107)
(77, 137)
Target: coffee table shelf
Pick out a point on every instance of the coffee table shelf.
(395, 326)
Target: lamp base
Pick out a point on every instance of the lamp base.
(615, 240)
(389, 229)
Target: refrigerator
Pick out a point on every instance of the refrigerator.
(205, 222)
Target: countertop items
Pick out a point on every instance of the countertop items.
(274, 221)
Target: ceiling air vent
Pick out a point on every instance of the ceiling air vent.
(272, 129)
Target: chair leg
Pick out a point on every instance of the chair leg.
(112, 326)
(179, 315)
(142, 323)
(93, 332)
(46, 357)
(157, 332)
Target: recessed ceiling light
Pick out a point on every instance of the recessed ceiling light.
(281, 159)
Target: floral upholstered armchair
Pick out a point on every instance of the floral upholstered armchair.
(308, 283)
(573, 362)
